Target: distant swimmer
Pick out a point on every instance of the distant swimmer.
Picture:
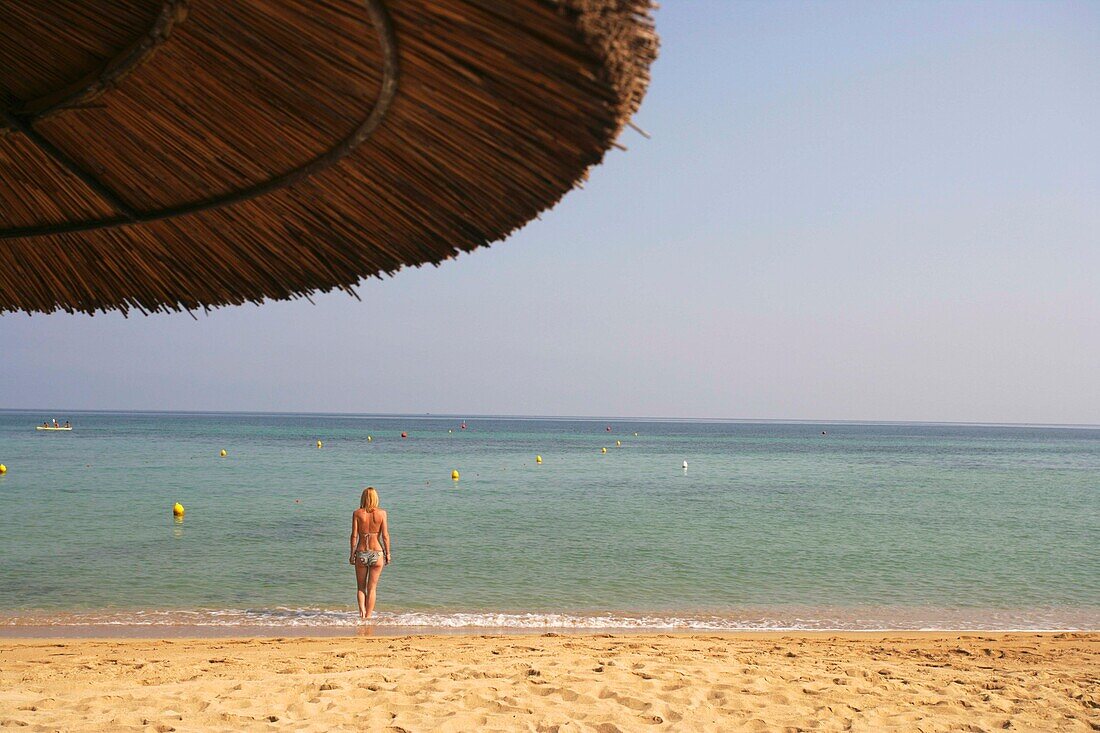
(823, 432)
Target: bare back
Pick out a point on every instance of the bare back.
(369, 526)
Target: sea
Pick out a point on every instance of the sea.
(771, 525)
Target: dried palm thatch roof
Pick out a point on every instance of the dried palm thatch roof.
(182, 154)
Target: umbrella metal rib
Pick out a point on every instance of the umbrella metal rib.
(171, 13)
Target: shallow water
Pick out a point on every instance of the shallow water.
(771, 526)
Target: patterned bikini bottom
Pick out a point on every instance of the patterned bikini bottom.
(369, 558)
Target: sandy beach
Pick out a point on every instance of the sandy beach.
(732, 682)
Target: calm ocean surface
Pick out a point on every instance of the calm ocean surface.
(771, 526)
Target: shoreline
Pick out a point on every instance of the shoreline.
(746, 681)
(122, 632)
(267, 621)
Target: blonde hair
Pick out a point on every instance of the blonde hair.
(369, 499)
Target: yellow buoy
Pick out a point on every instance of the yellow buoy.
(177, 509)
(3, 468)
(603, 450)
(618, 444)
(320, 444)
(223, 453)
(370, 438)
(538, 459)
(454, 475)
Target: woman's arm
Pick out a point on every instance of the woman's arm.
(354, 538)
(385, 530)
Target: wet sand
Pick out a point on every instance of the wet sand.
(873, 681)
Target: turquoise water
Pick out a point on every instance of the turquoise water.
(771, 525)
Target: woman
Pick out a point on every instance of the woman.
(370, 549)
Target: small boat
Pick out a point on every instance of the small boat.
(43, 427)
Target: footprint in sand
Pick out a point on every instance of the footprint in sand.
(630, 702)
(563, 692)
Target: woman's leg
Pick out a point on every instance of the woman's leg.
(361, 588)
(375, 572)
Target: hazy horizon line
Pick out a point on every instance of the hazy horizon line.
(592, 418)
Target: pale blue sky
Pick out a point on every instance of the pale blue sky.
(882, 211)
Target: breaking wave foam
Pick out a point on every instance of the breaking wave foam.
(754, 620)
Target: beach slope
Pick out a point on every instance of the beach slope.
(730, 682)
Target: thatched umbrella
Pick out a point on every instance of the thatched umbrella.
(182, 154)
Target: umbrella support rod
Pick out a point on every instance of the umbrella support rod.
(62, 159)
(388, 46)
(88, 88)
